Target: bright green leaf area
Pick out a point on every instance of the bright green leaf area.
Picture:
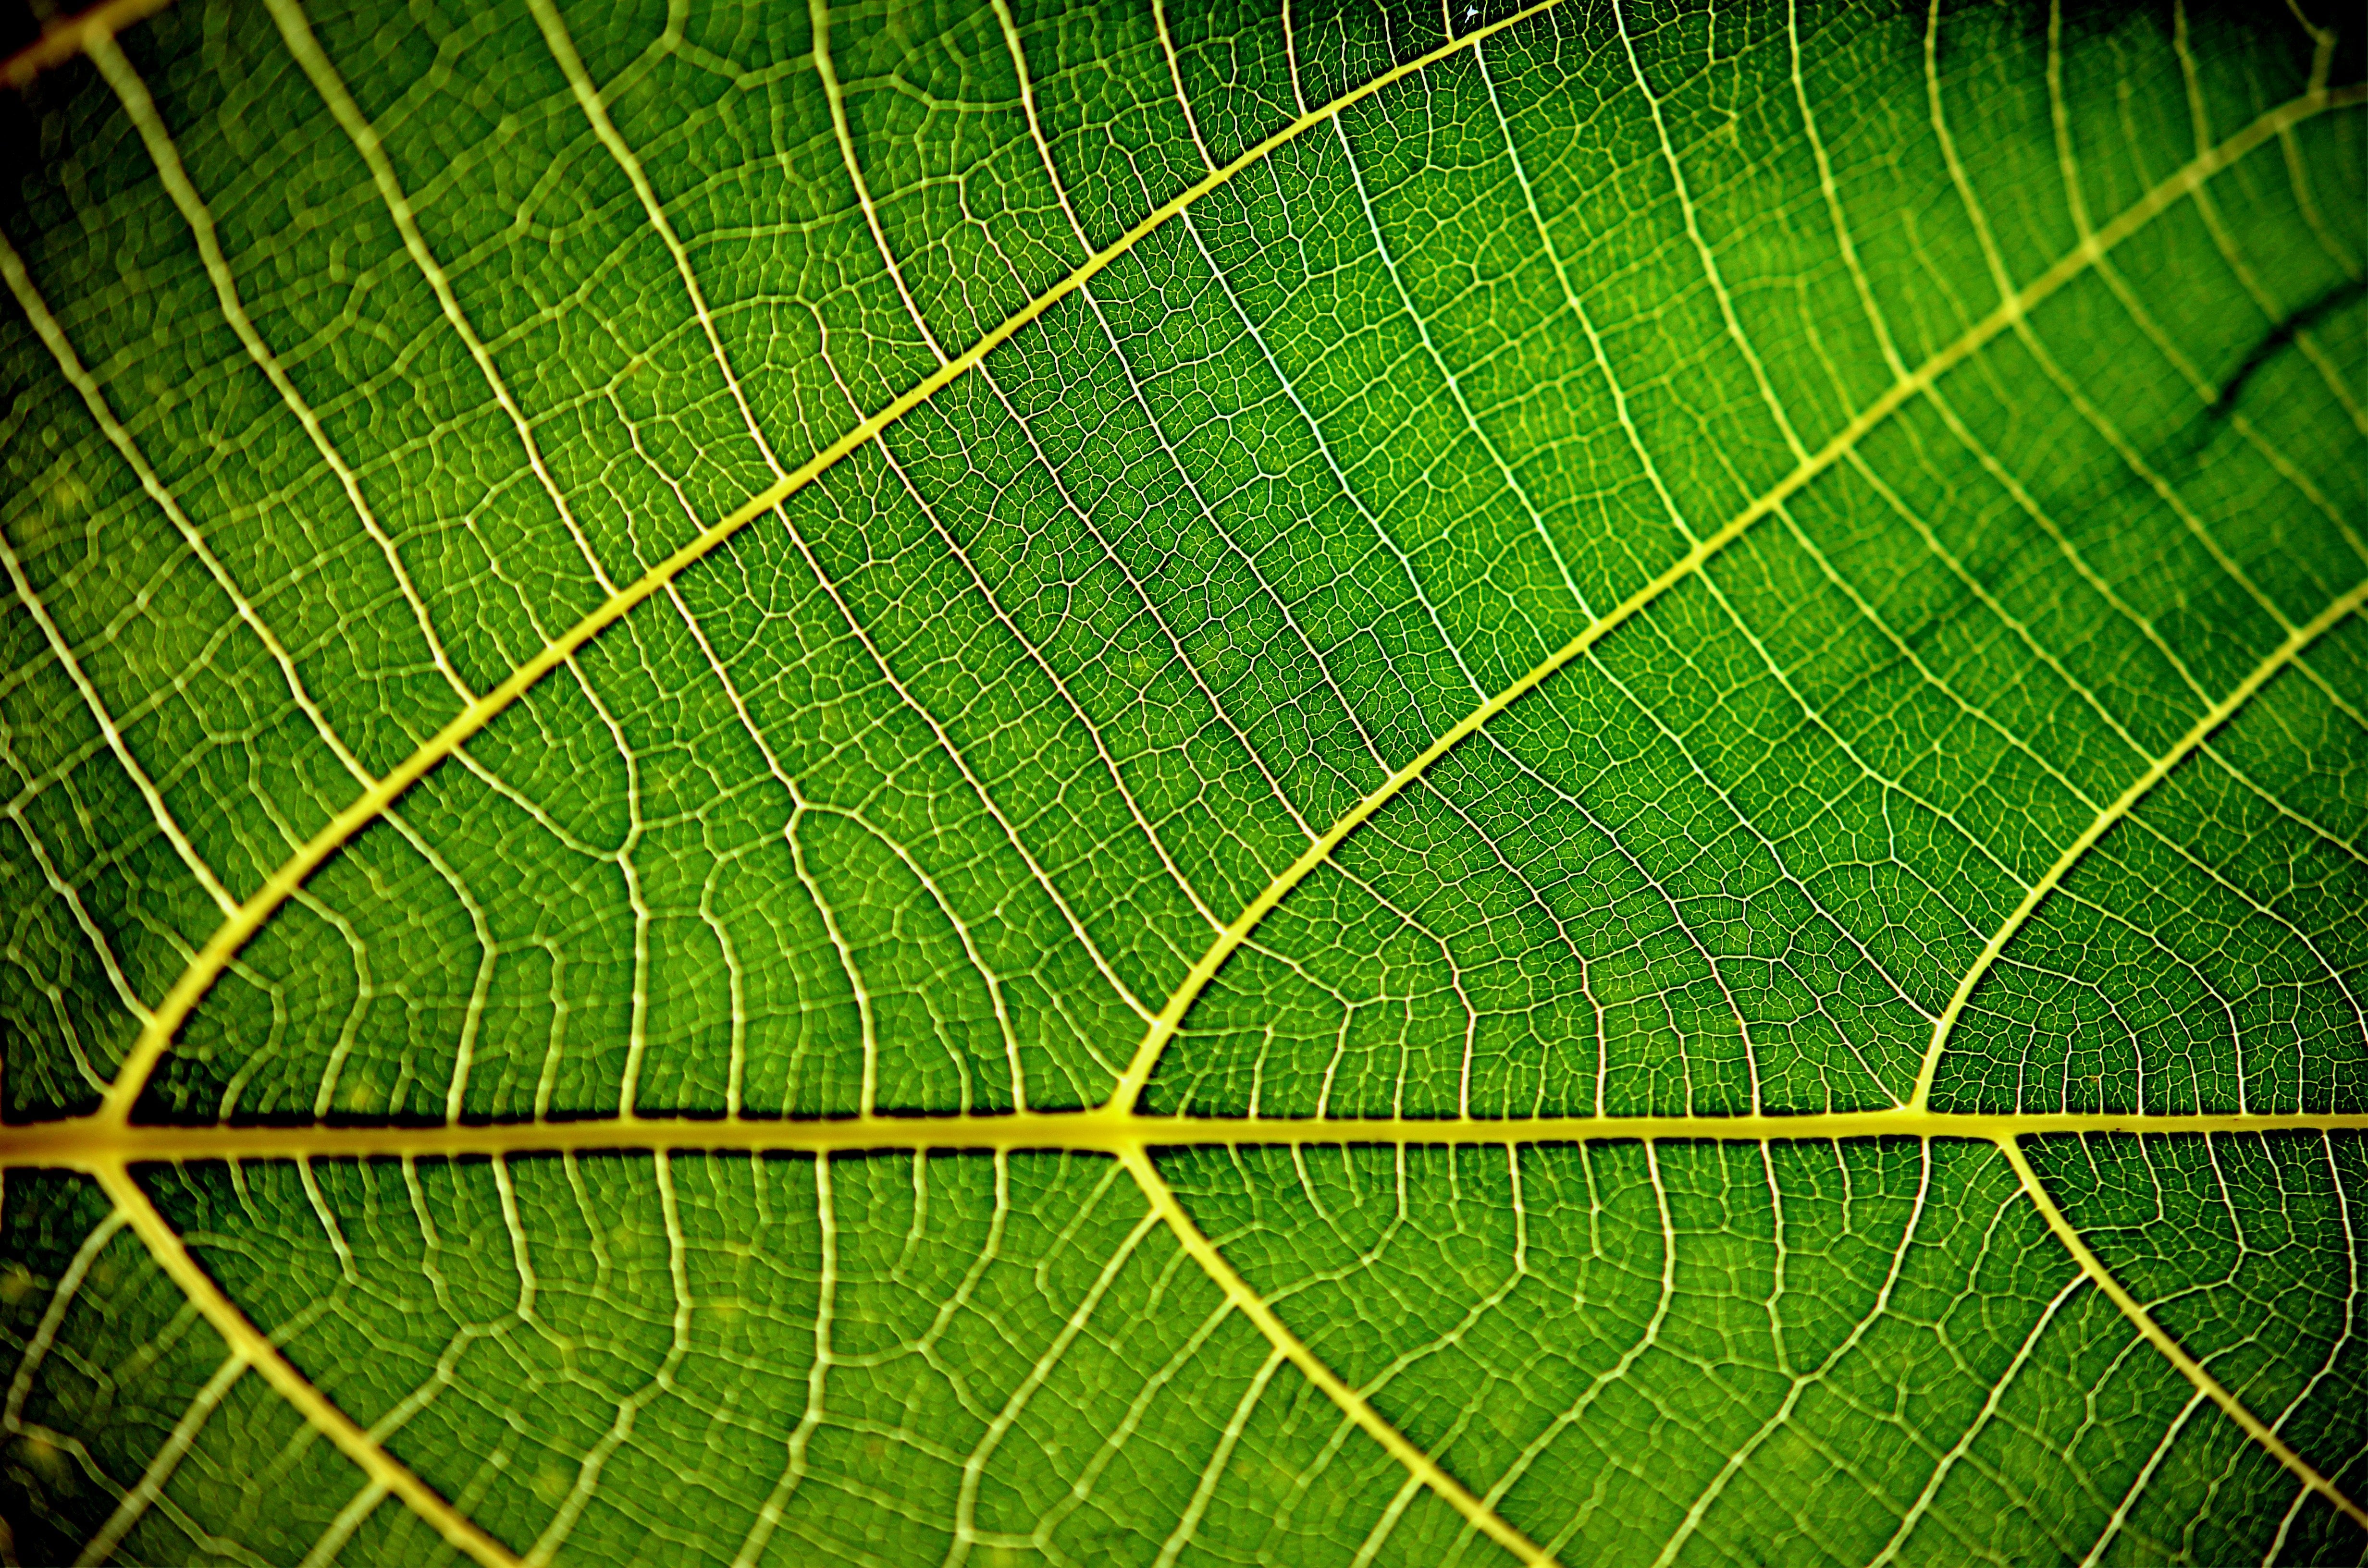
(517, 997)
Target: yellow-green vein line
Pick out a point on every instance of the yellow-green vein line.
(2160, 1339)
(83, 1144)
(1354, 1405)
(250, 1344)
(2219, 713)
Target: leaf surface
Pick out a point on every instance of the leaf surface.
(996, 785)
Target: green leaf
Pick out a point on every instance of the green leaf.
(1348, 785)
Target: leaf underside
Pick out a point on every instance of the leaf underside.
(1185, 784)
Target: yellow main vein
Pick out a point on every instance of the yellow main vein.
(2009, 313)
(2159, 1337)
(156, 1036)
(1354, 1405)
(84, 1144)
(249, 1345)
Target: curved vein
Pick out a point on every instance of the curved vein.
(1417, 1464)
(249, 1346)
(2010, 314)
(2219, 713)
(2194, 1371)
(156, 1036)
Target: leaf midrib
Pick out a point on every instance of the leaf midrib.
(85, 1144)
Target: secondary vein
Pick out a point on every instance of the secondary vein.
(156, 1035)
(2008, 315)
